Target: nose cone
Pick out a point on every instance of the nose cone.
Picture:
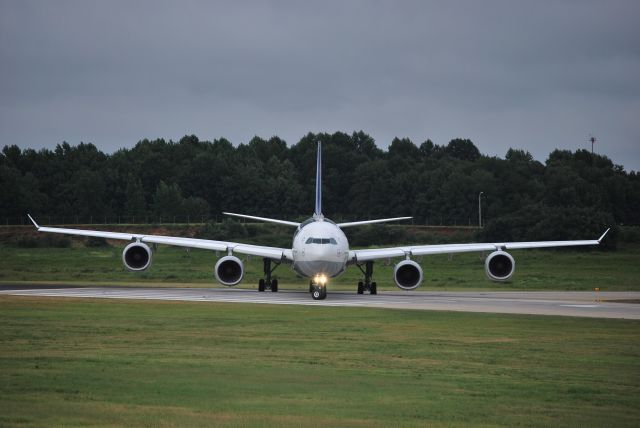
(320, 259)
(312, 268)
(324, 252)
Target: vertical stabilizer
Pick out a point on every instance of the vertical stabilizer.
(318, 211)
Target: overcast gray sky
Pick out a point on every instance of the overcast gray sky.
(533, 75)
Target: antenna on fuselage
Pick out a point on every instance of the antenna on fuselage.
(318, 212)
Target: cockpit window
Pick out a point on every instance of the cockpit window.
(331, 241)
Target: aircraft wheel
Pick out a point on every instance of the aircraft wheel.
(261, 285)
(319, 293)
(274, 286)
(374, 288)
(360, 287)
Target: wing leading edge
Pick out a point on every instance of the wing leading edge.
(205, 244)
(422, 250)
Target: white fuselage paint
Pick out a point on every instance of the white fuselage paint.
(320, 248)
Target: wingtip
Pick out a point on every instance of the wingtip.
(603, 235)
(33, 221)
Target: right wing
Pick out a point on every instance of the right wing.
(206, 244)
(423, 250)
(380, 220)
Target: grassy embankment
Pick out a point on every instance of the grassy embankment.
(535, 269)
(77, 362)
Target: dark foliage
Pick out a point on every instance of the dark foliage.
(572, 195)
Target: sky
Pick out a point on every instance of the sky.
(529, 75)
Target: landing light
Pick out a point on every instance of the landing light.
(320, 279)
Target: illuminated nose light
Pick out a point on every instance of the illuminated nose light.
(320, 279)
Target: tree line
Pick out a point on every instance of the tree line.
(571, 194)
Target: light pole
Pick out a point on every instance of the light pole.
(480, 210)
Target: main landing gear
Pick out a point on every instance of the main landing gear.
(267, 283)
(367, 285)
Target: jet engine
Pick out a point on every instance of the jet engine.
(229, 270)
(499, 266)
(137, 256)
(407, 274)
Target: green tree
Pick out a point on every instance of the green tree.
(196, 208)
(135, 203)
(168, 200)
(462, 149)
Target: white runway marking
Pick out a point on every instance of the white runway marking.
(581, 304)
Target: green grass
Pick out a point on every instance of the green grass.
(535, 269)
(80, 362)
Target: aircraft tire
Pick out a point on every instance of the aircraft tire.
(261, 285)
(274, 286)
(374, 288)
(319, 293)
(360, 287)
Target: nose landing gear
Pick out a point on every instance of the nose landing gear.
(367, 285)
(318, 291)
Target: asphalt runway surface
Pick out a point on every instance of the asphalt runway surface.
(565, 303)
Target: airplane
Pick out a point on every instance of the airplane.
(320, 251)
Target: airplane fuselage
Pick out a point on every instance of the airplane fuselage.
(320, 248)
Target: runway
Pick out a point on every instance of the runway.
(564, 303)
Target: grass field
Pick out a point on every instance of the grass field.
(80, 362)
(535, 269)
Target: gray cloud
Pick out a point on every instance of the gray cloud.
(506, 74)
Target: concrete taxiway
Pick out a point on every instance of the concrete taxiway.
(564, 303)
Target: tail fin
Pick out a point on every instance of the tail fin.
(318, 211)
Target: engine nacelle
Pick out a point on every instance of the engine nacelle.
(499, 266)
(137, 256)
(407, 274)
(229, 270)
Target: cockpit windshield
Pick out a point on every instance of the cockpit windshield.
(321, 241)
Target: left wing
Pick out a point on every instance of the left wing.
(422, 250)
(206, 244)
